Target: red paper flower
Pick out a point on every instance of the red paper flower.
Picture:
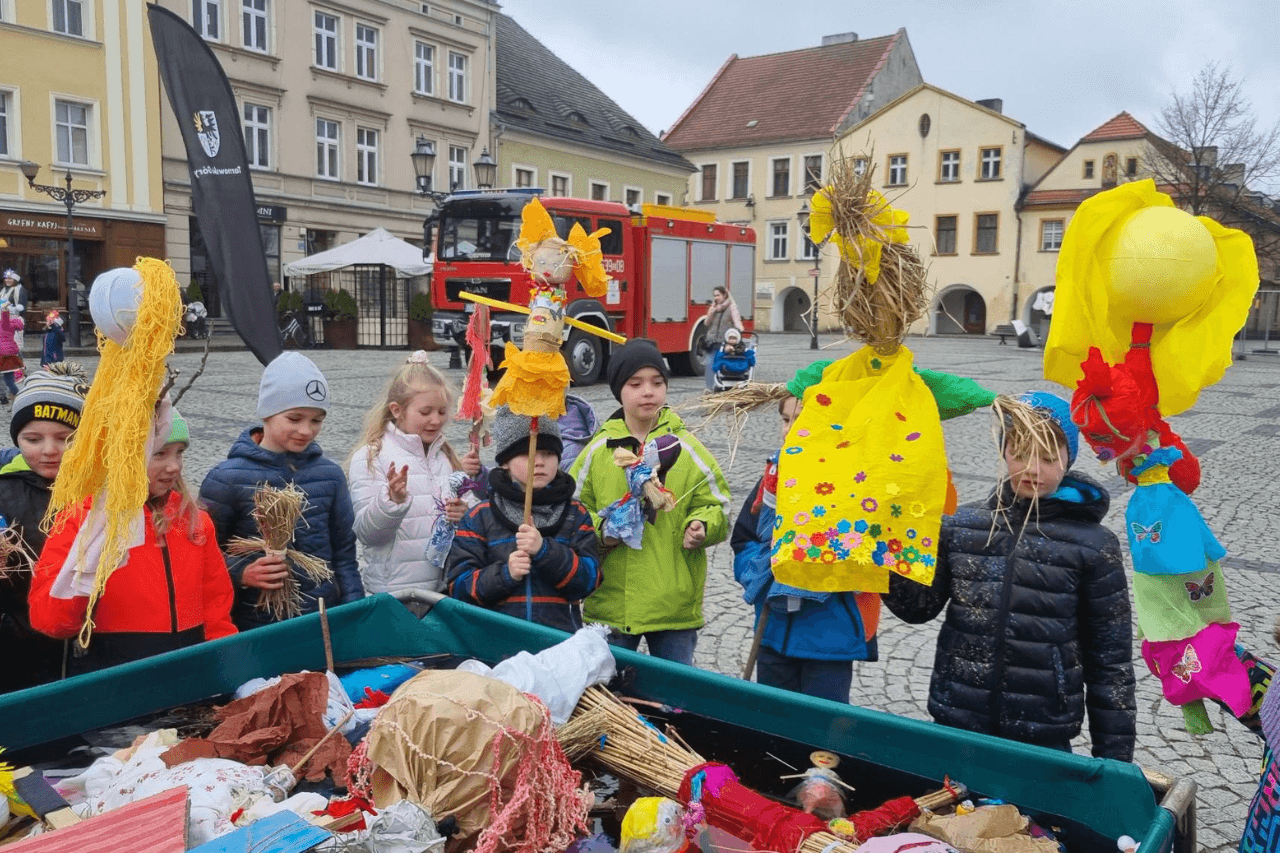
(895, 545)
(818, 539)
(824, 488)
(822, 399)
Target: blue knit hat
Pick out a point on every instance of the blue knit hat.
(1057, 410)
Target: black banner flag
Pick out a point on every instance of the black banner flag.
(221, 190)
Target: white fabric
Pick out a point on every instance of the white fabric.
(402, 827)
(393, 537)
(336, 707)
(304, 805)
(558, 675)
(376, 248)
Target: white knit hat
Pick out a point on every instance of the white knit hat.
(292, 381)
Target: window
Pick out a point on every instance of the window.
(813, 173)
(662, 198)
(366, 52)
(944, 235)
(741, 179)
(366, 156)
(949, 166)
(72, 121)
(897, 170)
(808, 251)
(205, 15)
(524, 177)
(778, 232)
(599, 191)
(4, 124)
(1050, 235)
(424, 68)
(68, 17)
(985, 232)
(326, 32)
(859, 166)
(560, 185)
(632, 197)
(457, 77)
(327, 149)
(254, 25)
(781, 178)
(1131, 167)
(257, 136)
(990, 158)
(457, 167)
(709, 182)
(1088, 169)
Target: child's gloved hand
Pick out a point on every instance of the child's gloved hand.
(694, 535)
(519, 564)
(528, 539)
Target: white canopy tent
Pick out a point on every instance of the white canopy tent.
(377, 248)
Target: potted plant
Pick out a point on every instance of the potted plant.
(193, 292)
(420, 310)
(340, 313)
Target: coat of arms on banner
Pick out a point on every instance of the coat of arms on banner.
(206, 123)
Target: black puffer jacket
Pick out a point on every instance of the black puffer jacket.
(1039, 613)
(27, 657)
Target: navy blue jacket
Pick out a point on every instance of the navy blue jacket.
(325, 530)
(802, 624)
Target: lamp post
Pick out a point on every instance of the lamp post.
(486, 169)
(803, 216)
(70, 197)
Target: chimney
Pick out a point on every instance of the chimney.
(1233, 173)
(839, 38)
(993, 104)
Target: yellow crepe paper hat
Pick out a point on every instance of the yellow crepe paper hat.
(543, 252)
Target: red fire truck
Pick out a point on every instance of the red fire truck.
(663, 262)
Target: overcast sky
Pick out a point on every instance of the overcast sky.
(1061, 68)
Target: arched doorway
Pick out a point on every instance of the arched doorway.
(1040, 312)
(792, 305)
(961, 310)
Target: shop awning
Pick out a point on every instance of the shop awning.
(378, 247)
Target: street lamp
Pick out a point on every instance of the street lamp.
(486, 170)
(70, 198)
(424, 161)
(803, 216)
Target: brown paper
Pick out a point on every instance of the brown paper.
(989, 829)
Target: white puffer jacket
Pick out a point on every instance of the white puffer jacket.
(393, 537)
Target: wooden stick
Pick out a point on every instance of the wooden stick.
(295, 768)
(324, 631)
(528, 474)
(755, 643)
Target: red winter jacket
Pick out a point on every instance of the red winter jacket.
(162, 598)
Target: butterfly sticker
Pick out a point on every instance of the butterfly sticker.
(1202, 590)
(1140, 533)
(1189, 666)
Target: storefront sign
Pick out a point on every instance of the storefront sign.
(49, 226)
(272, 213)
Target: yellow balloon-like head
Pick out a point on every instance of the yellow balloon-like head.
(1163, 264)
(652, 825)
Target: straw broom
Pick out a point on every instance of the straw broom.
(277, 512)
(11, 542)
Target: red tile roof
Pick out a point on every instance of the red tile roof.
(1057, 198)
(800, 94)
(1123, 126)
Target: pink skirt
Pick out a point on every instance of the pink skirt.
(1202, 667)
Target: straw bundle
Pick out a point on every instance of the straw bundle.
(11, 542)
(583, 732)
(737, 403)
(277, 512)
(632, 747)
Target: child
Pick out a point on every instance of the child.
(809, 639)
(51, 350)
(399, 479)
(10, 350)
(654, 592)
(539, 572)
(171, 592)
(293, 400)
(733, 345)
(45, 414)
(1039, 605)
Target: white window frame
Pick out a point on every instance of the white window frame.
(250, 15)
(257, 132)
(662, 198)
(424, 68)
(639, 193)
(859, 166)
(331, 147)
(808, 249)
(773, 165)
(457, 77)
(804, 171)
(943, 164)
(591, 190)
(9, 135)
(322, 36)
(367, 142)
(733, 166)
(65, 6)
(551, 183)
(1044, 234)
(779, 241)
(366, 51)
(896, 175)
(517, 168)
(986, 162)
(88, 126)
(458, 167)
(206, 19)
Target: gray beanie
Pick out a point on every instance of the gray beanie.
(292, 381)
(511, 435)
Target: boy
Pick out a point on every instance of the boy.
(538, 572)
(654, 592)
(293, 400)
(809, 639)
(1039, 606)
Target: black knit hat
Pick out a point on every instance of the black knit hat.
(54, 394)
(629, 358)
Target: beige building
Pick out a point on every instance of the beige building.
(79, 93)
(958, 167)
(332, 113)
(555, 130)
(760, 136)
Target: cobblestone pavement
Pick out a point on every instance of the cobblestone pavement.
(1236, 419)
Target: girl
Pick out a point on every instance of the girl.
(172, 591)
(399, 476)
(10, 350)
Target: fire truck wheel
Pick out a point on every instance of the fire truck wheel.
(585, 357)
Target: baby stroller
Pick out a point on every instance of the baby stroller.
(196, 319)
(735, 361)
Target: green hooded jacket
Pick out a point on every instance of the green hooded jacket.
(660, 586)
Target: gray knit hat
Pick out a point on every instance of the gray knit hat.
(511, 435)
(292, 381)
(54, 394)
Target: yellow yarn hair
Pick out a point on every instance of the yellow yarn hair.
(108, 453)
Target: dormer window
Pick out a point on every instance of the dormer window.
(577, 118)
(628, 130)
(522, 104)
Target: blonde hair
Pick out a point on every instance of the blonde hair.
(415, 376)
